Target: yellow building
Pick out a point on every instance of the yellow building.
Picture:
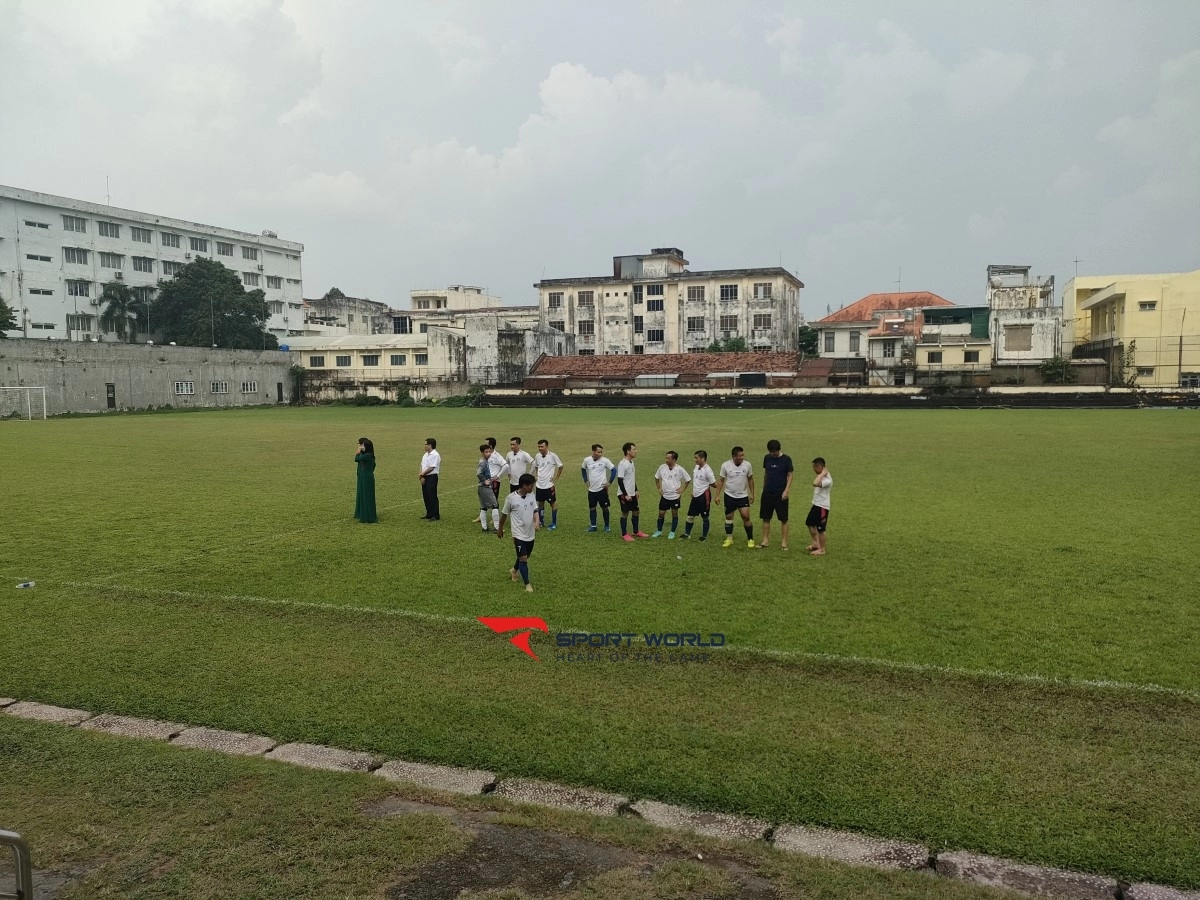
(1155, 316)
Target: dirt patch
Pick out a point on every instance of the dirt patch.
(46, 884)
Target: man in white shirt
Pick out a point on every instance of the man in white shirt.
(702, 481)
(521, 508)
(598, 473)
(498, 468)
(431, 464)
(736, 483)
(627, 492)
(547, 468)
(519, 462)
(670, 479)
(818, 516)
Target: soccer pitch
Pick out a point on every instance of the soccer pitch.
(998, 653)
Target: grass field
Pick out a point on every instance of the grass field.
(999, 652)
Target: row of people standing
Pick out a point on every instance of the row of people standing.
(364, 498)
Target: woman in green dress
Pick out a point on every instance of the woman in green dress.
(364, 501)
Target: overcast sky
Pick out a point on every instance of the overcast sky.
(411, 144)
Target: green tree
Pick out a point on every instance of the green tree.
(728, 345)
(808, 340)
(206, 303)
(1057, 370)
(8, 319)
(1126, 367)
(121, 314)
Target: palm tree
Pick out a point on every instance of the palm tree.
(121, 314)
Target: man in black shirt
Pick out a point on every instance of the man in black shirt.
(777, 485)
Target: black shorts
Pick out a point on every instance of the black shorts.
(773, 504)
(630, 505)
(545, 495)
(664, 504)
(523, 548)
(699, 505)
(818, 518)
(598, 498)
(732, 504)
(513, 487)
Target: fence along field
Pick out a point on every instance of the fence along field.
(937, 676)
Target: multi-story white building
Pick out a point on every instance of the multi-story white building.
(56, 255)
(1026, 326)
(653, 304)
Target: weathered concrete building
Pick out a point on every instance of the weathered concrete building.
(335, 314)
(88, 377)
(1025, 325)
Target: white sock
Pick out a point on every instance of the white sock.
(496, 518)
(483, 519)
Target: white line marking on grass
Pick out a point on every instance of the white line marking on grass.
(863, 661)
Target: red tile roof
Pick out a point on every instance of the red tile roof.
(629, 366)
(866, 309)
(906, 328)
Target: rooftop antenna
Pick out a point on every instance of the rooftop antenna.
(107, 195)
(899, 272)
(1077, 262)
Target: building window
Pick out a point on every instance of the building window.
(79, 323)
(638, 322)
(1145, 372)
(42, 292)
(1189, 379)
(587, 352)
(695, 323)
(762, 320)
(559, 324)
(586, 328)
(219, 387)
(275, 281)
(224, 249)
(45, 326)
(75, 255)
(421, 359)
(74, 223)
(421, 304)
(167, 239)
(855, 341)
(829, 342)
(141, 235)
(316, 362)
(697, 349)
(110, 229)
(198, 245)
(250, 279)
(554, 299)
(79, 289)
(638, 350)
(293, 281)
(249, 387)
(33, 224)
(371, 359)
(655, 305)
(424, 328)
(143, 264)
(729, 292)
(971, 356)
(695, 292)
(37, 258)
(762, 290)
(935, 357)
(111, 260)
(654, 290)
(728, 323)
(654, 336)
(587, 298)
(402, 325)
(637, 293)
(342, 361)
(1148, 305)
(889, 349)
(1018, 337)
(171, 269)
(249, 253)
(143, 294)
(185, 387)
(276, 307)
(399, 359)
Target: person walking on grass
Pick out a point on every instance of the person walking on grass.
(736, 485)
(519, 462)
(521, 508)
(702, 481)
(598, 473)
(547, 469)
(431, 464)
(818, 516)
(364, 499)
(669, 479)
(777, 486)
(627, 492)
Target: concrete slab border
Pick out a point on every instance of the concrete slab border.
(43, 712)
(470, 782)
(851, 848)
(1041, 881)
(133, 727)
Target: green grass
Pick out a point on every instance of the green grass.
(1035, 543)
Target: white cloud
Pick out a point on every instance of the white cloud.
(1069, 180)
(986, 83)
(788, 36)
(983, 228)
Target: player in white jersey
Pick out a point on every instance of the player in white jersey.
(670, 479)
(702, 481)
(627, 492)
(736, 482)
(498, 468)
(818, 516)
(547, 468)
(598, 473)
(519, 462)
(520, 508)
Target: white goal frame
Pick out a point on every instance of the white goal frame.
(28, 391)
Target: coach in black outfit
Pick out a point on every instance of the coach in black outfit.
(431, 463)
(777, 486)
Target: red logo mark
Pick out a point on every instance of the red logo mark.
(501, 624)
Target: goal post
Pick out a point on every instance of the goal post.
(22, 403)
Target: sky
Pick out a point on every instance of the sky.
(862, 145)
